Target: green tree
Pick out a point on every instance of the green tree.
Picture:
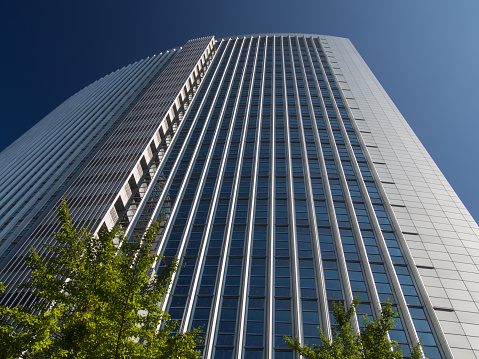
(371, 343)
(98, 299)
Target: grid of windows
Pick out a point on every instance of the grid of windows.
(265, 194)
(273, 137)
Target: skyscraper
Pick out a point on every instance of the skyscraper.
(282, 175)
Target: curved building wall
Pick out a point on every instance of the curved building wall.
(39, 162)
(96, 150)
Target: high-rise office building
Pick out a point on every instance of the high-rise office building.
(282, 175)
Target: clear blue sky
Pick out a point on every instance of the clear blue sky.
(425, 53)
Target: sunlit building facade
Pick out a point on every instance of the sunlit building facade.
(283, 177)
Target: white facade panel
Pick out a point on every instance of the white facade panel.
(448, 237)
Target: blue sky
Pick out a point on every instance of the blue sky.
(425, 54)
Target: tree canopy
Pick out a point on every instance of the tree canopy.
(96, 298)
(371, 343)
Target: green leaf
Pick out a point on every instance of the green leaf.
(371, 343)
(96, 298)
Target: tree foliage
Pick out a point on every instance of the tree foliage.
(371, 343)
(98, 299)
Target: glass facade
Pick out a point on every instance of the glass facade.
(273, 210)
(250, 155)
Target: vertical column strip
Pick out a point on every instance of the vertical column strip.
(155, 213)
(374, 297)
(269, 325)
(199, 187)
(239, 350)
(346, 286)
(189, 224)
(198, 274)
(320, 283)
(220, 277)
(207, 96)
(296, 301)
